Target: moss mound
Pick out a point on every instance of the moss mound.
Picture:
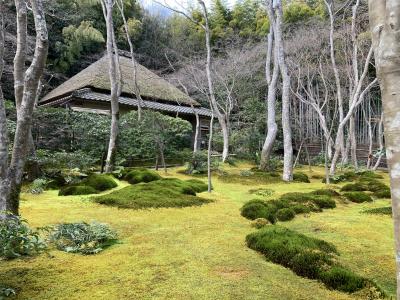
(314, 202)
(77, 190)
(197, 185)
(383, 194)
(306, 256)
(251, 177)
(100, 182)
(354, 187)
(255, 209)
(169, 192)
(301, 177)
(387, 210)
(285, 214)
(326, 192)
(358, 197)
(141, 175)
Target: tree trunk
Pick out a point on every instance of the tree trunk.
(271, 97)
(196, 134)
(381, 145)
(10, 187)
(115, 80)
(213, 101)
(353, 142)
(210, 137)
(287, 131)
(385, 28)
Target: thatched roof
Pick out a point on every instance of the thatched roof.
(96, 76)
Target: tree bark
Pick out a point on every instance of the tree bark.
(10, 187)
(210, 137)
(213, 101)
(385, 27)
(286, 128)
(271, 96)
(115, 81)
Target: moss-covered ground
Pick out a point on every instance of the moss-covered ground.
(196, 252)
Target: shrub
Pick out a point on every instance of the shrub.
(301, 177)
(358, 197)
(17, 239)
(357, 187)
(170, 192)
(384, 193)
(259, 223)
(100, 182)
(38, 186)
(255, 209)
(326, 192)
(198, 163)
(285, 214)
(83, 237)
(379, 211)
(343, 280)
(141, 175)
(306, 256)
(76, 190)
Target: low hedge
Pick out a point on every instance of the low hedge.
(169, 192)
(77, 190)
(358, 197)
(306, 256)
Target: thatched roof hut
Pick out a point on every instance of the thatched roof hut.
(89, 91)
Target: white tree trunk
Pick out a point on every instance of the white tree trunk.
(210, 137)
(10, 187)
(385, 28)
(286, 128)
(271, 96)
(115, 80)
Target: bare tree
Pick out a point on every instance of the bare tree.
(115, 81)
(11, 179)
(385, 27)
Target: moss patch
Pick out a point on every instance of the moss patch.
(358, 197)
(170, 192)
(387, 210)
(77, 190)
(141, 175)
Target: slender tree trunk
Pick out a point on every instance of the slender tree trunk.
(196, 133)
(213, 101)
(385, 28)
(353, 142)
(10, 187)
(115, 80)
(381, 145)
(287, 131)
(271, 96)
(210, 137)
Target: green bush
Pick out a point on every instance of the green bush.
(326, 192)
(37, 186)
(358, 197)
(306, 256)
(285, 214)
(255, 209)
(379, 211)
(141, 175)
(82, 237)
(76, 190)
(343, 280)
(354, 187)
(301, 177)
(383, 194)
(17, 239)
(197, 164)
(170, 192)
(100, 182)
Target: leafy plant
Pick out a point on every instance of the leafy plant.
(17, 239)
(38, 186)
(82, 237)
(197, 164)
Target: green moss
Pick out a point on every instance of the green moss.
(326, 192)
(77, 190)
(161, 193)
(376, 186)
(354, 187)
(383, 194)
(315, 202)
(254, 176)
(285, 214)
(141, 175)
(301, 177)
(100, 182)
(197, 185)
(387, 210)
(255, 209)
(306, 256)
(358, 197)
